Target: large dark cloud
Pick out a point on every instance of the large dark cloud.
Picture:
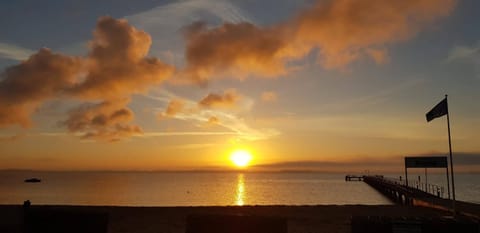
(106, 121)
(342, 30)
(236, 49)
(26, 86)
(116, 67)
(117, 64)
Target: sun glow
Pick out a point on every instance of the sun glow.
(241, 158)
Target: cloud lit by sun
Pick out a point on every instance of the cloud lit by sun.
(241, 158)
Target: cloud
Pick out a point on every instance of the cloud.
(185, 11)
(464, 52)
(228, 99)
(163, 22)
(11, 138)
(26, 86)
(245, 131)
(464, 162)
(186, 133)
(469, 55)
(342, 30)
(332, 166)
(380, 56)
(238, 125)
(269, 96)
(175, 106)
(117, 62)
(213, 120)
(14, 52)
(115, 68)
(233, 49)
(241, 128)
(105, 121)
(225, 117)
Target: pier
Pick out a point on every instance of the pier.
(354, 178)
(398, 192)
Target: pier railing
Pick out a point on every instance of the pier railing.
(432, 189)
(419, 194)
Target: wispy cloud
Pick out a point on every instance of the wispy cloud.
(193, 146)
(145, 134)
(269, 96)
(464, 52)
(11, 138)
(243, 130)
(228, 118)
(179, 12)
(375, 98)
(14, 52)
(186, 133)
(330, 166)
(465, 161)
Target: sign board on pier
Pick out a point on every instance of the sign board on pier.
(426, 162)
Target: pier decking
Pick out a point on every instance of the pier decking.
(399, 193)
(353, 178)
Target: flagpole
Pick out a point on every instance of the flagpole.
(448, 182)
(451, 158)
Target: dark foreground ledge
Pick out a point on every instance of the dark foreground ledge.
(217, 223)
(382, 224)
(60, 220)
(299, 219)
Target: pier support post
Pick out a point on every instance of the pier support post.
(406, 176)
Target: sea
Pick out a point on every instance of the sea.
(204, 188)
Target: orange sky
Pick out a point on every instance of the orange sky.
(327, 86)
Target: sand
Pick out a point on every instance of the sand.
(323, 218)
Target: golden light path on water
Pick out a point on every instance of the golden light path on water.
(240, 197)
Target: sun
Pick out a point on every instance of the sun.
(241, 158)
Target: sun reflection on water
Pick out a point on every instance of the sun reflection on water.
(240, 190)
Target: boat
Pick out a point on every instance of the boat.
(33, 180)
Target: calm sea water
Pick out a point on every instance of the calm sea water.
(196, 189)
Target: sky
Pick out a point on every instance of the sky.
(324, 85)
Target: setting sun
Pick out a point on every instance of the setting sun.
(241, 158)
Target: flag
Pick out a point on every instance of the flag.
(439, 110)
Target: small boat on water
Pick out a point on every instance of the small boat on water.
(33, 180)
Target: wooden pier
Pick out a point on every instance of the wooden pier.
(354, 178)
(401, 194)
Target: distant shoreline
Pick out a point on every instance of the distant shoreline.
(247, 171)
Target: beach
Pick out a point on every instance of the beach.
(300, 219)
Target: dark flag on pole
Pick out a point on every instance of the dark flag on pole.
(439, 110)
